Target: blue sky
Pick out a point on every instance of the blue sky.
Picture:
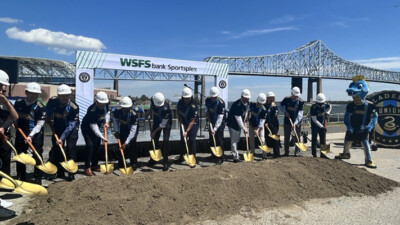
(363, 31)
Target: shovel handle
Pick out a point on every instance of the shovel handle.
(119, 145)
(211, 127)
(58, 139)
(298, 140)
(30, 144)
(184, 138)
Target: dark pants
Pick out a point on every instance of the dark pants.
(315, 131)
(164, 146)
(219, 137)
(92, 148)
(70, 150)
(287, 128)
(5, 156)
(272, 143)
(130, 151)
(191, 140)
(21, 146)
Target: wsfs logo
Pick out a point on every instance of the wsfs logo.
(135, 62)
(387, 130)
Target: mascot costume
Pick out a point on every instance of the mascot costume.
(360, 118)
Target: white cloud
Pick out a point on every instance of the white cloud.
(225, 32)
(388, 63)
(58, 42)
(9, 20)
(249, 33)
(284, 19)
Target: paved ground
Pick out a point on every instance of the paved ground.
(345, 210)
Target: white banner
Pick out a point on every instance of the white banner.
(90, 60)
(222, 84)
(84, 90)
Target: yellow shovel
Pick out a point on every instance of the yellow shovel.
(248, 157)
(21, 187)
(125, 170)
(216, 150)
(155, 154)
(299, 144)
(22, 157)
(190, 159)
(107, 168)
(273, 136)
(49, 167)
(68, 165)
(262, 146)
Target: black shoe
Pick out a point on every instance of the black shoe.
(269, 154)
(151, 162)
(21, 177)
(236, 160)
(165, 167)
(61, 175)
(323, 156)
(135, 166)
(211, 157)
(263, 158)
(38, 180)
(286, 154)
(343, 156)
(193, 166)
(219, 161)
(180, 159)
(71, 177)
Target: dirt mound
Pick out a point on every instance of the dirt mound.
(185, 196)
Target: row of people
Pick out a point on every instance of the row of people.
(62, 113)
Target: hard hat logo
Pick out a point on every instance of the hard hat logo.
(84, 77)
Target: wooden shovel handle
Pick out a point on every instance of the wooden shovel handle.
(120, 148)
(105, 137)
(23, 135)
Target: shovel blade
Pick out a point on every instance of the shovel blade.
(274, 136)
(126, 171)
(217, 151)
(248, 157)
(70, 166)
(6, 184)
(25, 159)
(30, 189)
(301, 146)
(107, 169)
(155, 154)
(190, 160)
(264, 148)
(48, 168)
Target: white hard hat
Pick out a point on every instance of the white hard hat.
(296, 91)
(158, 99)
(33, 87)
(4, 78)
(63, 89)
(261, 98)
(321, 98)
(187, 93)
(246, 93)
(270, 94)
(214, 92)
(101, 97)
(126, 102)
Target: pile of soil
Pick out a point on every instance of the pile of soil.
(190, 195)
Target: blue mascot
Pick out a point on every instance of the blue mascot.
(360, 118)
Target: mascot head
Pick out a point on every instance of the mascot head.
(358, 89)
